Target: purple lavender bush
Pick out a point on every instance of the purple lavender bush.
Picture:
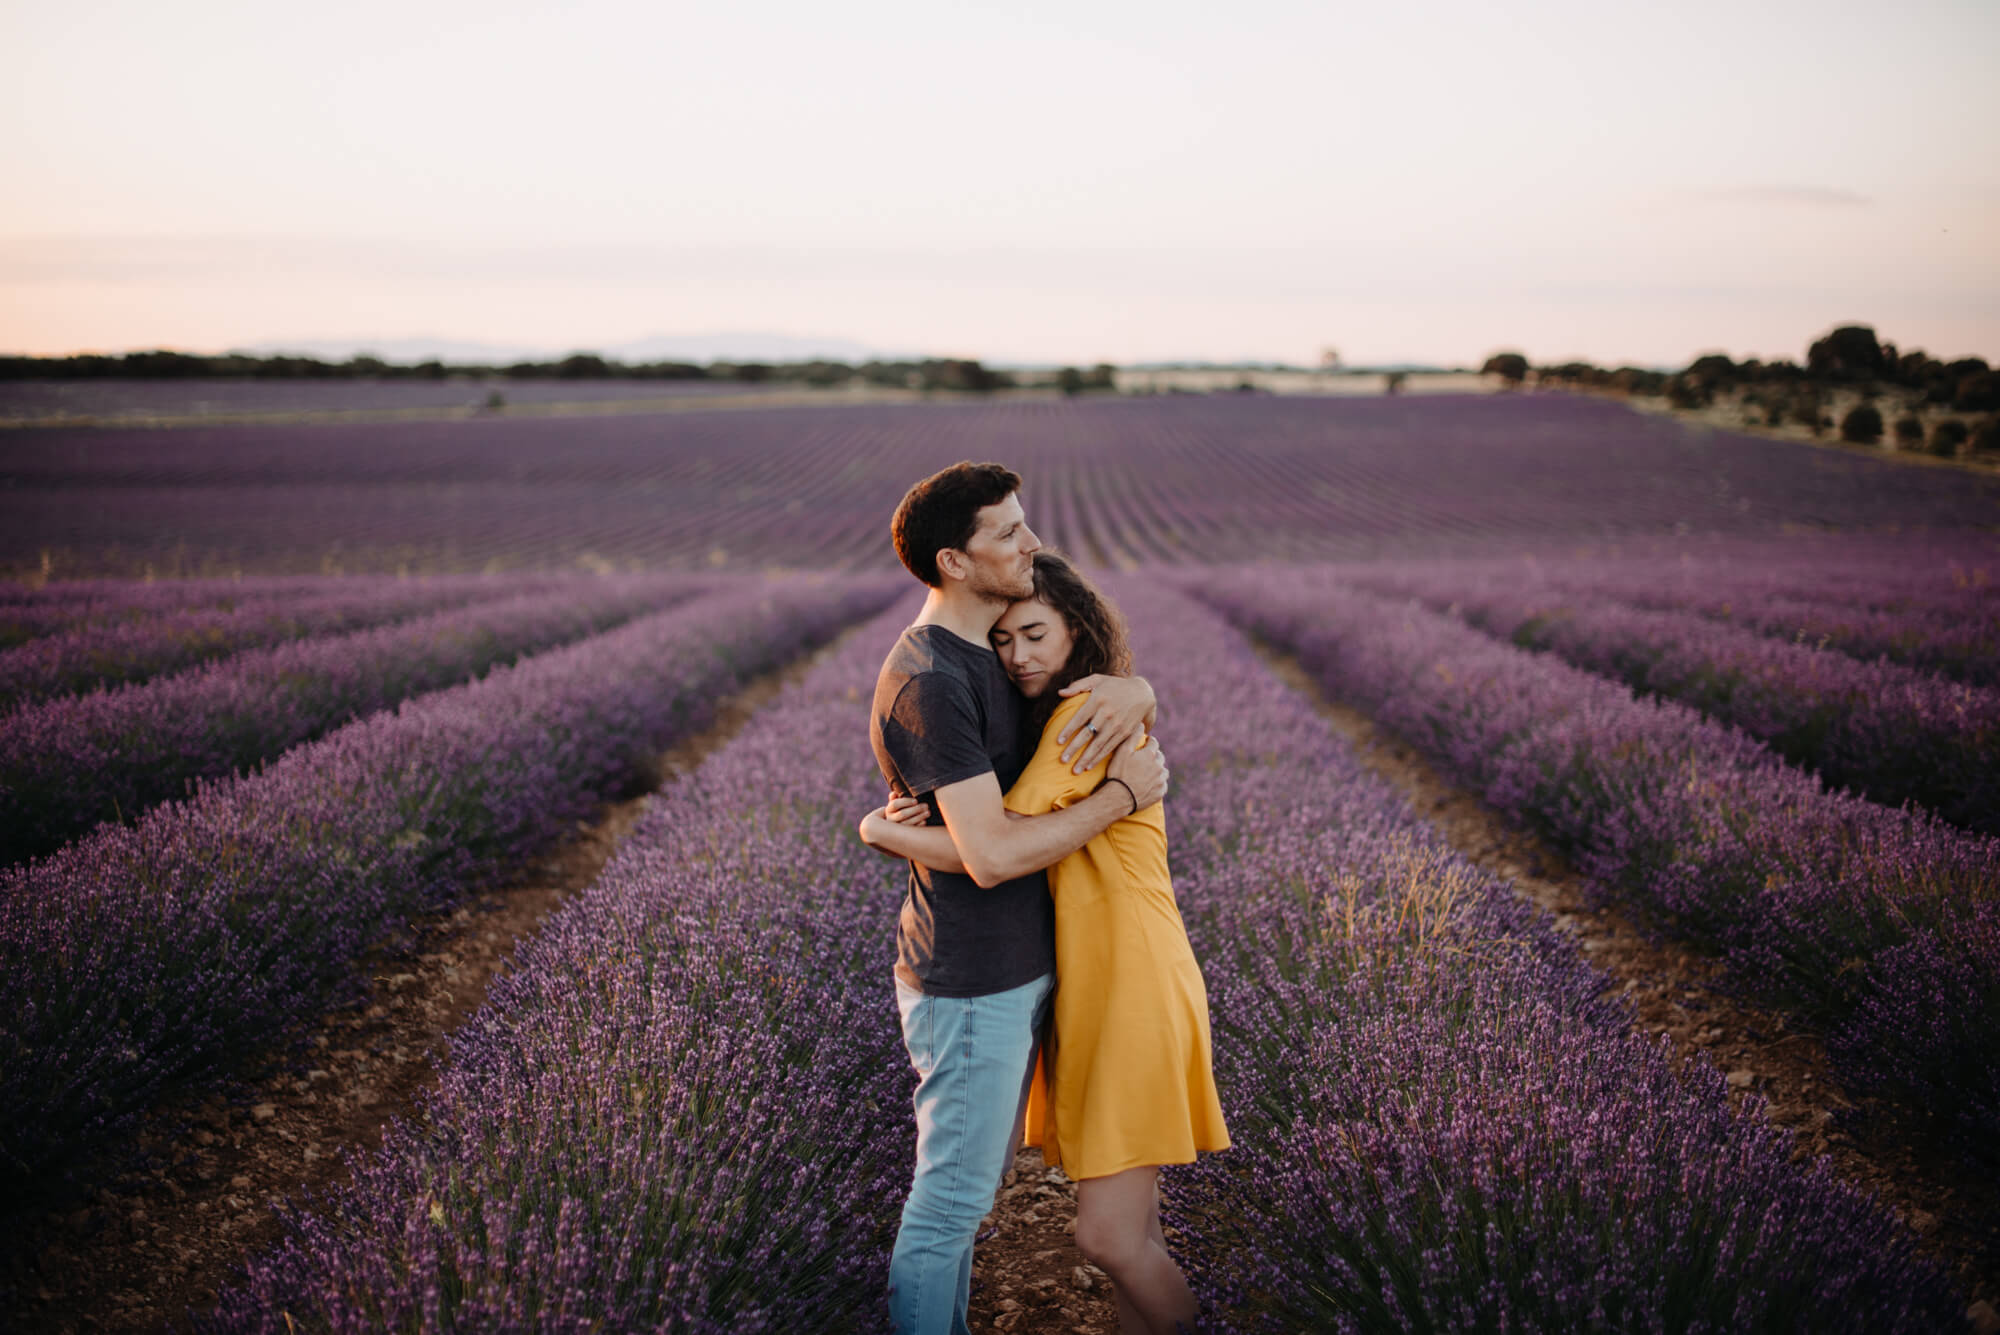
(132, 648)
(603, 1153)
(1879, 927)
(28, 612)
(153, 958)
(686, 1109)
(1440, 1119)
(1893, 733)
(1928, 605)
(69, 764)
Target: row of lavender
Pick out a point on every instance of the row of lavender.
(1927, 605)
(31, 610)
(148, 959)
(69, 764)
(1892, 732)
(1164, 480)
(685, 1108)
(1880, 927)
(1440, 1121)
(148, 635)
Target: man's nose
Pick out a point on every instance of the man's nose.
(1033, 543)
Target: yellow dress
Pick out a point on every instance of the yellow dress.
(1125, 1078)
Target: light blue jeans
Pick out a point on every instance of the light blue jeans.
(975, 1058)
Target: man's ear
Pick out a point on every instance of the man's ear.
(951, 563)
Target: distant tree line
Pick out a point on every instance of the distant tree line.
(934, 373)
(1849, 360)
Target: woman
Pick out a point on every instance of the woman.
(1124, 1083)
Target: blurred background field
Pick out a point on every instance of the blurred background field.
(1120, 481)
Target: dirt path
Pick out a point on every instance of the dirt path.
(1027, 1275)
(138, 1258)
(1872, 1144)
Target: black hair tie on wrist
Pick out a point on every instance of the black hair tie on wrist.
(1128, 792)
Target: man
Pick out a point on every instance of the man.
(975, 953)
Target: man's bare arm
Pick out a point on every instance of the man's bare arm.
(995, 849)
(927, 845)
(901, 829)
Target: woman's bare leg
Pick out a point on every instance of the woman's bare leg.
(1117, 1229)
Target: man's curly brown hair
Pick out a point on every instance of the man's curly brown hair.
(943, 511)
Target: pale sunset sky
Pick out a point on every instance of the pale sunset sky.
(1020, 182)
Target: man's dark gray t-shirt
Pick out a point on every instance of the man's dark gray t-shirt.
(945, 711)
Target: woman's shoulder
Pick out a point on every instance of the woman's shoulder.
(1064, 713)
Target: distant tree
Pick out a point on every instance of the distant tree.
(432, 370)
(823, 374)
(960, 374)
(1685, 392)
(1711, 372)
(1862, 425)
(583, 366)
(1637, 380)
(676, 371)
(1912, 368)
(1101, 376)
(1986, 437)
(1848, 353)
(1511, 367)
(165, 365)
(1946, 438)
(1570, 373)
(1945, 378)
(1909, 432)
(1977, 392)
(1392, 383)
(1069, 380)
(895, 374)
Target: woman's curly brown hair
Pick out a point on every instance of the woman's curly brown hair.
(1096, 627)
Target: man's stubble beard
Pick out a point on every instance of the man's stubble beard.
(999, 593)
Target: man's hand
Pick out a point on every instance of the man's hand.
(1118, 710)
(1141, 767)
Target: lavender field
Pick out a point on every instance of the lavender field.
(23, 401)
(1125, 482)
(269, 694)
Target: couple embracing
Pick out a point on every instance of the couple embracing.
(1025, 793)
